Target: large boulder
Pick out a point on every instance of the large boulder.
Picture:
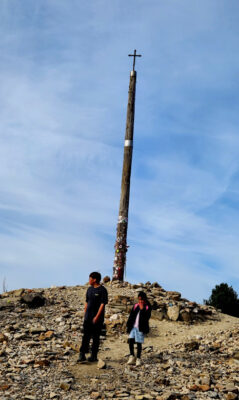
(106, 279)
(173, 312)
(174, 295)
(33, 299)
(159, 314)
(9, 303)
(186, 315)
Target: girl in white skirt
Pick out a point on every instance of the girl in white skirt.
(137, 326)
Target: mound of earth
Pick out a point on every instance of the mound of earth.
(191, 352)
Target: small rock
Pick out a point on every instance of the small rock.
(191, 346)
(42, 363)
(106, 279)
(230, 387)
(4, 387)
(114, 317)
(65, 386)
(204, 388)
(101, 364)
(46, 336)
(53, 395)
(205, 379)
(95, 395)
(231, 396)
(3, 338)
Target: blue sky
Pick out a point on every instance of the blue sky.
(64, 75)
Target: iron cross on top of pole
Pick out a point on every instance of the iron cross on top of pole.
(134, 55)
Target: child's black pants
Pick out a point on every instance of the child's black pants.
(131, 348)
(93, 331)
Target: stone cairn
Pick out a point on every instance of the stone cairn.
(40, 335)
(165, 305)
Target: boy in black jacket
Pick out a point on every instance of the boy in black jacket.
(137, 326)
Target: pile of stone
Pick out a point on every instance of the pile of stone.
(41, 331)
(166, 305)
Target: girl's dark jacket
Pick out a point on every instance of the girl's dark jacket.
(144, 316)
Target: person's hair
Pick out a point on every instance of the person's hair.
(143, 296)
(96, 275)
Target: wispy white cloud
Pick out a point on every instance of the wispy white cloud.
(64, 80)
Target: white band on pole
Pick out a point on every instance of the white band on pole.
(128, 143)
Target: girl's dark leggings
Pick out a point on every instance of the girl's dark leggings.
(131, 348)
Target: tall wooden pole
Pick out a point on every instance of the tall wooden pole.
(122, 226)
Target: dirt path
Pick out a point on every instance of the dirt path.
(164, 334)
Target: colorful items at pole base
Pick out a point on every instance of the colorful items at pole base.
(120, 249)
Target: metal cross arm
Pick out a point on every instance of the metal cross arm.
(134, 55)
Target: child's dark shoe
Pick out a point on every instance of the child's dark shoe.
(92, 358)
(81, 358)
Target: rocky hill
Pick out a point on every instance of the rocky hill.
(192, 351)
